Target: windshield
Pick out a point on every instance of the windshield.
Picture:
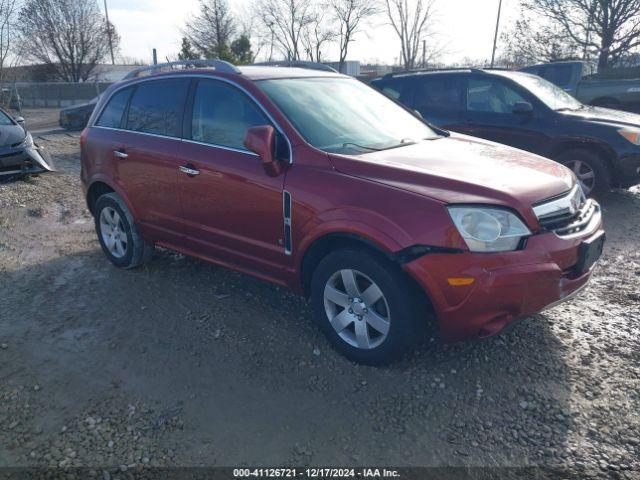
(5, 119)
(342, 115)
(552, 96)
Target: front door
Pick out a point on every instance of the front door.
(491, 114)
(232, 209)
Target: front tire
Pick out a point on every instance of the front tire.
(118, 234)
(367, 307)
(591, 170)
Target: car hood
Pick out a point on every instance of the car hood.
(11, 134)
(462, 169)
(605, 115)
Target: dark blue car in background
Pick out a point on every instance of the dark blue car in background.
(600, 145)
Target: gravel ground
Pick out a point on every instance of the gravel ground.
(183, 363)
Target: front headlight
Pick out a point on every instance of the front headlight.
(488, 229)
(26, 143)
(631, 134)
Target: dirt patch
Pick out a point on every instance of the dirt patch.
(184, 363)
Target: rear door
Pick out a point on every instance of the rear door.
(146, 156)
(439, 98)
(491, 115)
(233, 210)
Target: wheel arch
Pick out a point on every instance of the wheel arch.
(95, 191)
(605, 152)
(330, 242)
(327, 243)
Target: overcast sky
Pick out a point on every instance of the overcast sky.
(465, 28)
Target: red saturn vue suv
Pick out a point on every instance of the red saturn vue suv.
(315, 181)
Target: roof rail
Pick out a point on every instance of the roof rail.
(299, 64)
(219, 65)
(420, 70)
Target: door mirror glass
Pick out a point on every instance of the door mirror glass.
(522, 108)
(262, 141)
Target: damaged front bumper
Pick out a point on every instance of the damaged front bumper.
(25, 160)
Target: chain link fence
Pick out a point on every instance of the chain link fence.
(56, 94)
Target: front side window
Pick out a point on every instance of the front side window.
(491, 95)
(222, 115)
(342, 115)
(156, 107)
(112, 114)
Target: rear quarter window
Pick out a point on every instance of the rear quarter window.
(156, 107)
(111, 116)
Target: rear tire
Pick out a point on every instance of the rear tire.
(591, 170)
(118, 234)
(344, 289)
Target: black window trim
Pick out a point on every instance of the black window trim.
(191, 78)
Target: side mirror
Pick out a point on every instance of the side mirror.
(523, 108)
(19, 120)
(262, 140)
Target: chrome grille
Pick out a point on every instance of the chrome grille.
(568, 215)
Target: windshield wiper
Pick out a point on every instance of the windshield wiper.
(364, 147)
(403, 143)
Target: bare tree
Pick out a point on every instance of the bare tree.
(610, 29)
(69, 36)
(286, 20)
(8, 14)
(529, 42)
(211, 31)
(350, 16)
(411, 20)
(316, 35)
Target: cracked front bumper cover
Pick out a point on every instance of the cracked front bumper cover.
(31, 160)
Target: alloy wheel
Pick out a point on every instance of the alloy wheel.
(113, 233)
(357, 309)
(584, 172)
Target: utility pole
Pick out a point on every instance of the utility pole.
(424, 54)
(495, 38)
(109, 33)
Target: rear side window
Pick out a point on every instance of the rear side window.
(112, 114)
(437, 92)
(223, 114)
(156, 107)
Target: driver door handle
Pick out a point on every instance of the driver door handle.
(120, 154)
(189, 170)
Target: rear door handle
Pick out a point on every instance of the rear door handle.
(189, 171)
(120, 154)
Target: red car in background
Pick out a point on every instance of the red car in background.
(317, 182)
